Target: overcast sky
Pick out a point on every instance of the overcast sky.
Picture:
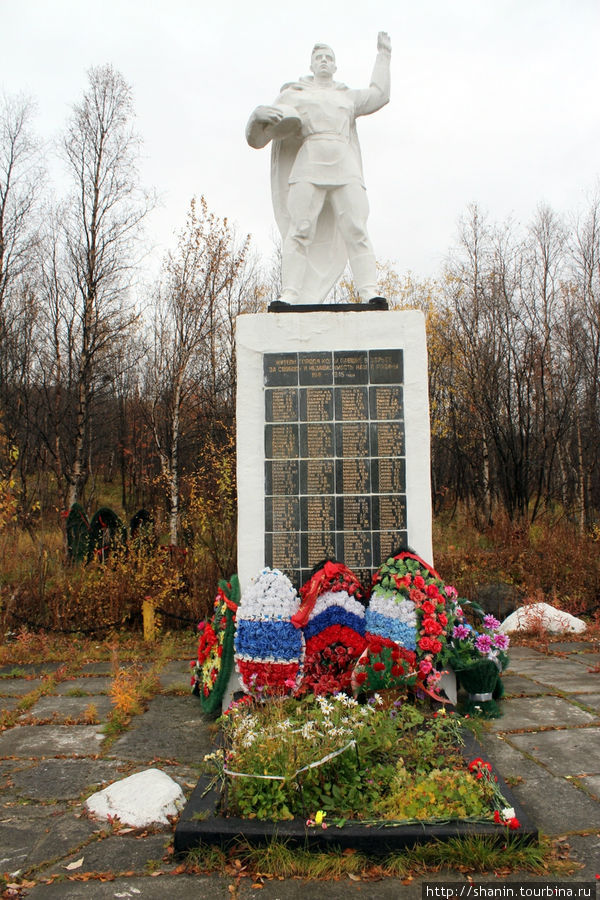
(493, 101)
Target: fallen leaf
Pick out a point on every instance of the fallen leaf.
(74, 865)
(257, 885)
(353, 877)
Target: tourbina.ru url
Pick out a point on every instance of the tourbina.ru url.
(514, 890)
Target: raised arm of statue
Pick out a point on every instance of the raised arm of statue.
(377, 94)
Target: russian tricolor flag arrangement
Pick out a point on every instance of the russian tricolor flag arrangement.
(269, 648)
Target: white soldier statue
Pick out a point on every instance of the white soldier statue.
(319, 194)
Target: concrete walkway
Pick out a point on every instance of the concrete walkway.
(547, 747)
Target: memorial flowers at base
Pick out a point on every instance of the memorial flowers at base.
(478, 657)
(413, 606)
(269, 648)
(332, 617)
(214, 663)
(335, 759)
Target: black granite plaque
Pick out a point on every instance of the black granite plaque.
(281, 405)
(316, 404)
(352, 439)
(385, 402)
(317, 476)
(281, 441)
(351, 404)
(355, 549)
(317, 513)
(281, 477)
(389, 511)
(316, 546)
(388, 476)
(352, 476)
(387, 439)
(282, 514)
(282, 551)
(280, 369)
(385, 367)
(335, 474)
(386, 543)
(316, 441)
(315, 368)
(351, 367)
(353, 513)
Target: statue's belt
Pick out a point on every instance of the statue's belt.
(326, 136)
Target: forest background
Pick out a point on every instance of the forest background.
(122, 394)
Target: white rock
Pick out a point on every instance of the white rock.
(143, 799)
(541, 615)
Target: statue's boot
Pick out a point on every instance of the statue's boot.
(364, 272)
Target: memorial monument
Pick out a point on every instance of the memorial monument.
(317, 182)
(332, 400)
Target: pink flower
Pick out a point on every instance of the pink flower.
(501, 641)
(483, 643)
(461, 632)
(491, 622)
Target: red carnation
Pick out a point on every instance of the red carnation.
(428, 608)
(432, 590)
(430, 626)
(443, 619)
(361, 677)
(419, 582)
(397, 670)
(379, 667)
(497, 817)
(375, 647)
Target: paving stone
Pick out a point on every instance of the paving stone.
(591, 700)
(571, 646)
(119, 854)
(176, 676)
(18, 687)
(515, 685)
(102, 667)
(29, 840)
(63, 779)
(51, 740)
(536, 712)
(573, 751)
(592, 783)
(563, 675)
(517, 653)
(586, 850)
(60, 708)
(171, 728)
(30, 668)
(173, 887)
(90, 685)
(8, 703)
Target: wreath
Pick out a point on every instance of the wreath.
(212, 669)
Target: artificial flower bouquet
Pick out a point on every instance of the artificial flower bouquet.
(385, 667)
(214, 663)
(478, 657)
(413, 606)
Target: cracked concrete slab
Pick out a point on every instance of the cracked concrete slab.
(18, 687)
(186, 739)
(514, 685)
(91, 685)
(60, 708)
(63, 779)
(119, 854)
(176, 676)
(573, 751)
(539, 712)
(591, 700)
(28, 840)
(563, 675)
(51, 740)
